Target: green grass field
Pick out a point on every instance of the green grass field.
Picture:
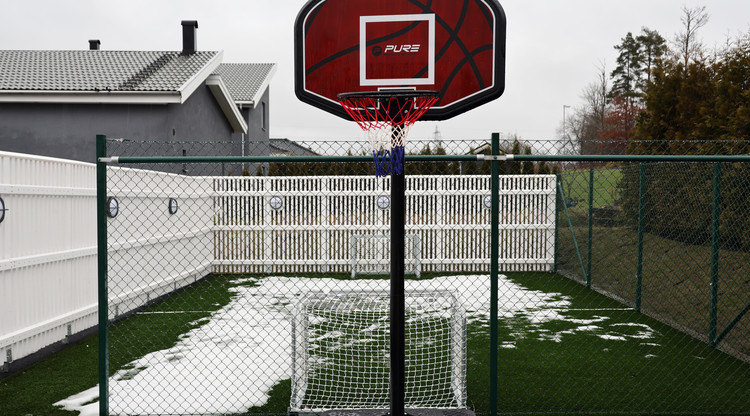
(676, 276)
(577, 353)
(576, 186)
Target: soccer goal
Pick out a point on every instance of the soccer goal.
(341, 352)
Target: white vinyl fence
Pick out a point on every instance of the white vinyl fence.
(319, 224)
(48, 268)
(144, 229)
(47, 252)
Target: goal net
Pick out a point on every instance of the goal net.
(341, 351)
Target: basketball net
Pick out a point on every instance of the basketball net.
(386, 118)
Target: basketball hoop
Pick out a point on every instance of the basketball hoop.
(386, 117)
(398, 47)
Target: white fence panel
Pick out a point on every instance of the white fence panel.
(48, 268)
(47, 252)
(173, 250)
(305, 224)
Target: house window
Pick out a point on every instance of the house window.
(263, 117)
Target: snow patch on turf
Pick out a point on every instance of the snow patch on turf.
(231, 362)
(78, 402)
(613, 337)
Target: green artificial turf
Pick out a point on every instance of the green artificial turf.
(33, 390)
(553, 368)
(592, 359)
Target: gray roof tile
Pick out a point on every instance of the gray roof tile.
(244, 81)
(27, 70)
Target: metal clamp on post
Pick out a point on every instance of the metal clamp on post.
(113, 159)
(482, 157)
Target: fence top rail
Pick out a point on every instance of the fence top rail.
(271, 159)
(619, 158)
(38, 158)
(425, 158)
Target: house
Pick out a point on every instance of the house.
(54, 103)
(286, 147)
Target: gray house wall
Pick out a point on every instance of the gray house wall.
(69, 130)
(256, 142)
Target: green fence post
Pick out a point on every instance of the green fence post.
(639, 265)
(494, 270)
(715, 256)
(101, 241)
(591, 226)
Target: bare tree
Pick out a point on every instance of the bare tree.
(686, 42)
(587, 120)
(596, 95)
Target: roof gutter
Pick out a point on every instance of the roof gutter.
(91, 97)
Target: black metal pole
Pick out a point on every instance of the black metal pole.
(103, 295)
(398, 341)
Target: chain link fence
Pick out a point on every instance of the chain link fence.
(623, 286)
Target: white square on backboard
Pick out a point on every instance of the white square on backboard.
(364, 20)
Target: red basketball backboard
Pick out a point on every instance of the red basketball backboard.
(455, 47)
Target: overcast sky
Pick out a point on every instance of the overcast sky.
(553, 50)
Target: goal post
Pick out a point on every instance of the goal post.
(341, 352)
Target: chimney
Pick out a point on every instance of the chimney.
(94, 44)
(189, 27)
